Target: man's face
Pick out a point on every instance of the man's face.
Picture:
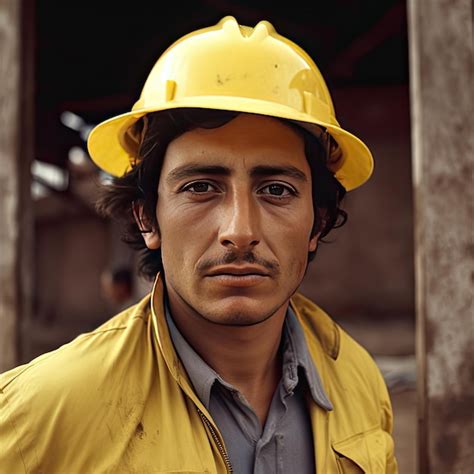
(235, 215)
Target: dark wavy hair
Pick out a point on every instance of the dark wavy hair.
(139, 185)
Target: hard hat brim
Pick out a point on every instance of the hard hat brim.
(107, 147)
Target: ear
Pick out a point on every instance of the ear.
(313, 242)
(150, 235)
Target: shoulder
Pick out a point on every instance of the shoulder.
(362, 420)
(76, 387)
(346, 365)
(90, 393)
(76, 374)
(336, 343)
(79, 356)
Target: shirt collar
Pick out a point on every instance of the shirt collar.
(202, 376)
(295, 355)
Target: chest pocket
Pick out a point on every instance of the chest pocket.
(364, 453)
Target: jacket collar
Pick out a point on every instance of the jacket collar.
(317, 324)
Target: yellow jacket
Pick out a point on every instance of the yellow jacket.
(118, 400)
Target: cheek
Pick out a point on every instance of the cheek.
(291, 240)
(298, 258)
(295, 227)
(185, 234)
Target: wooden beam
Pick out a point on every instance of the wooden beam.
(442, 102)
(16, 148)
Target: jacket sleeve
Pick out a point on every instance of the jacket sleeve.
(11, 457)
(386, 415)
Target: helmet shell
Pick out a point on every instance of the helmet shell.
(233, 67)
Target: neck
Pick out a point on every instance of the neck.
(247, 357)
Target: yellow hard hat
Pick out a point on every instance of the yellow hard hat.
(236, 68)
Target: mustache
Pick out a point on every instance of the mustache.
(234, 256)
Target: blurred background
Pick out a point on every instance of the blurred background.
(88, 61)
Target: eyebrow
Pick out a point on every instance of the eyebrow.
(194, 169)
(268, 170)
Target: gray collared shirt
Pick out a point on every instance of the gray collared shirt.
(285, 444)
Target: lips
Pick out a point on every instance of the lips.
(238, 277)
(231, 270)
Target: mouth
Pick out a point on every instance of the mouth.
(234, 270)
(238, 276)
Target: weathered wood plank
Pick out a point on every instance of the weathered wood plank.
(9, 179)
(442, 101)
(16, 150)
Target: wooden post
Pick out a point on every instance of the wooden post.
(16, 148)
(442, 103)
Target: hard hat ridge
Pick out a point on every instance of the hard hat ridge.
(261, 30)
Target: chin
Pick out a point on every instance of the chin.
(240, 313)
(238, 320)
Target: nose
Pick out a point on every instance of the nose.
(240, 224)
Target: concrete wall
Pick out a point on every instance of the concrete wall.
(71, 250)
(368, 269)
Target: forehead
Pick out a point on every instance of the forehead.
(247, 140)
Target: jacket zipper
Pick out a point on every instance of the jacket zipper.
(217, 440)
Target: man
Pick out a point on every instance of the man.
(116, 285)
(229, 170)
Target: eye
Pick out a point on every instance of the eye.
(199, 187)
(277, 190)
